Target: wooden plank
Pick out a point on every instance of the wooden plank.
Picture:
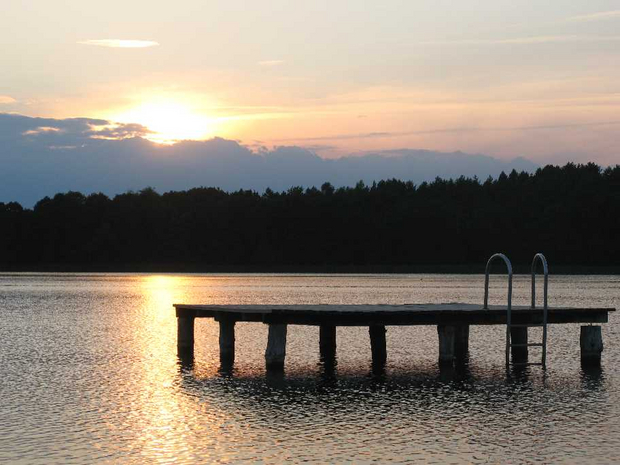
(372, 315)
(365, 308)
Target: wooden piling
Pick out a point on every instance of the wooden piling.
(276, 347)
(185, 335)
(461, 342)
(227, 341)
(518, 335)
(447, 344)
(327, 341)
(378, 345)
(591, 342)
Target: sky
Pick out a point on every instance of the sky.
(539, 80)
(42, 157)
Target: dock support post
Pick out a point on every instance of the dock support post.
(519, 336)
(276, 347)
(447, 344)
(227, 342)
(378, 346)
(327, 342)
(453, 343)
(461, 342)
(185, 335)
(591, 342)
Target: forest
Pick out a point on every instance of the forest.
(570, 213)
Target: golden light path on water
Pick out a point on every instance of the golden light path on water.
(167, 418)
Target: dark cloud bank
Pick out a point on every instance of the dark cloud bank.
(40, 157)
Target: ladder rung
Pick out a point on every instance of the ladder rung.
(532, 325)
(532, 344)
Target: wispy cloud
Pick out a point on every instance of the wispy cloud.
(560, 38)
(270, 62)
(5, 100)
(40, 130)
(120, 43)
(530, 40)
(600, 16)
(464, 129)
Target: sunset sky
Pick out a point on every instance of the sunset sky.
(504, 78)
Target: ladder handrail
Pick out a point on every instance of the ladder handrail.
(509, 307)
(540, 257)
(486, 280)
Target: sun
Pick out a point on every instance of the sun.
(169, 121)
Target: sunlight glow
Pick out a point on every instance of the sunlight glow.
(170, 121)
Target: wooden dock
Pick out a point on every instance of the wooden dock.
(452, 320)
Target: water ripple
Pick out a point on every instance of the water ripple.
(89, 374)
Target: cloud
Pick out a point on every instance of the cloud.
(120, 43)
(463, 129)
(40, 130)
(6, 100)
(530, 40)
(270, 62)
(600, 16)
(46, 132)
(557, 39)
(44, 156)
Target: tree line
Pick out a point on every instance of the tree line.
(570, 213)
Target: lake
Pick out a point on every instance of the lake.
(89, 373)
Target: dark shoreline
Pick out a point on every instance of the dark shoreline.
(313, 269)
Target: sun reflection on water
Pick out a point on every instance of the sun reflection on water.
(165, 414)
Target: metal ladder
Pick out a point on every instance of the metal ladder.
(509, 325)
(509, 307)
(540, 257)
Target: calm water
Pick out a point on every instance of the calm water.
(89, 373)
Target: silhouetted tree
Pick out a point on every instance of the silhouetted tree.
(571, 213)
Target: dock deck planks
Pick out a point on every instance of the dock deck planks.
(406, 314)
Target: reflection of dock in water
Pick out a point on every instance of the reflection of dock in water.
(452, 320)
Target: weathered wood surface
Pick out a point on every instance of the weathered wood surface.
(519, 340)
(227, 341)
(591, 342)
(378, 345)
(185, 334)
(327, 341)
(408, 314)
(276, 347)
